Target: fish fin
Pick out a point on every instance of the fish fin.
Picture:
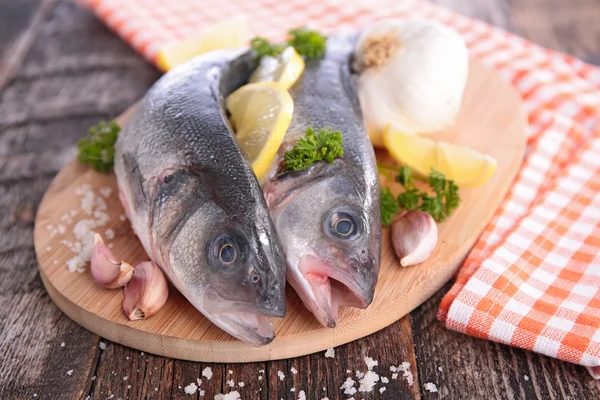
(136, 181)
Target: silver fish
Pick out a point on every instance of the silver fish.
(328, 216)
(195, 203)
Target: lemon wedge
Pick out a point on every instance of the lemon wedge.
(228, 34)
(284, 69)
(463, 165)
(260, 114)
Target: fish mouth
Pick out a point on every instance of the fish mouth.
(324, 288)
(245, 322)
(250, 327)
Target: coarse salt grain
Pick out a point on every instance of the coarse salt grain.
(292, 389)
(440, 369)
(526, 377)
(62, 344)
(70, 372)
(330, 353)
(359, 374)
(106, 191)
(230, 372)
(382, 389)
(110, 234)
(228, 396)
(281, 375)
(102, 345)
(430, 387)
(125, 378)
(348, 386)
(191, 388)
(395, 375)
(368, 382)
(201, 393)
(260, 378)
(199, 382)
(230, 383)
(371, 363)
(301, 395)
(384, 379)
(207, 373)
(293, 370)
(261, 371)
(241, 384)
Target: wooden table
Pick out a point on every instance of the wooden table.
(62, 71)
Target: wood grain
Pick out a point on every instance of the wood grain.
(33, 147)
(491, 120)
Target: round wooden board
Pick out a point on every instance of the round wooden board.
(492, 120)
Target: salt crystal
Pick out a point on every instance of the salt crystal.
(261, 371)
(191, 388)
(395, 375)
(281, 375)
(199, 382)
(125, 378)
(371, 363)
(206, 372)
(70, 372)
(111, 396)
(241, 384)
(359, 374)
(348, 386)
(102, 345)
(330, 353)
(526, 377)
(110, 234)
(106, 191)
(368, 382)
(260, 378)
(381, 390)
(430, 387)
(129, 387)
(293, 370)
(301, 395)
(230, 372)
(230, 383)
(384, 379)
(229, 396)
(62, 344)
(61, 229)
(440, 369)
(292, 389)
(201, 393)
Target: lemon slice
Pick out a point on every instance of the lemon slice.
(260, 114)
(229, 34)
(463, 165)
(284, 69)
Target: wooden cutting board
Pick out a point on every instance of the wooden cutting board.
(492, 120)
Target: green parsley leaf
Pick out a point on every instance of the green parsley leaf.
(389, 207)
(263, 47)
(440, 204)
(308, 43)
(323, 145)
(98, 148)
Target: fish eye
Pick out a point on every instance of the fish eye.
(227, 253)
(343, 225)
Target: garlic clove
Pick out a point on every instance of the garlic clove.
(146, 293)
(107, 271)
(414, 236)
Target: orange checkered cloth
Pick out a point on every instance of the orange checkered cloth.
(533, 278)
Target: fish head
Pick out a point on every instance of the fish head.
(329, 232)
(224, 257)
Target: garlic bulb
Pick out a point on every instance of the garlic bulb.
(414, 236)
(411, 74)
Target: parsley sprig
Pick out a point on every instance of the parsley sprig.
(439, 202)
(307, 42)
(98, 147)
(320, 145)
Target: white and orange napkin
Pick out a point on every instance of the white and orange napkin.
(533, 278)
